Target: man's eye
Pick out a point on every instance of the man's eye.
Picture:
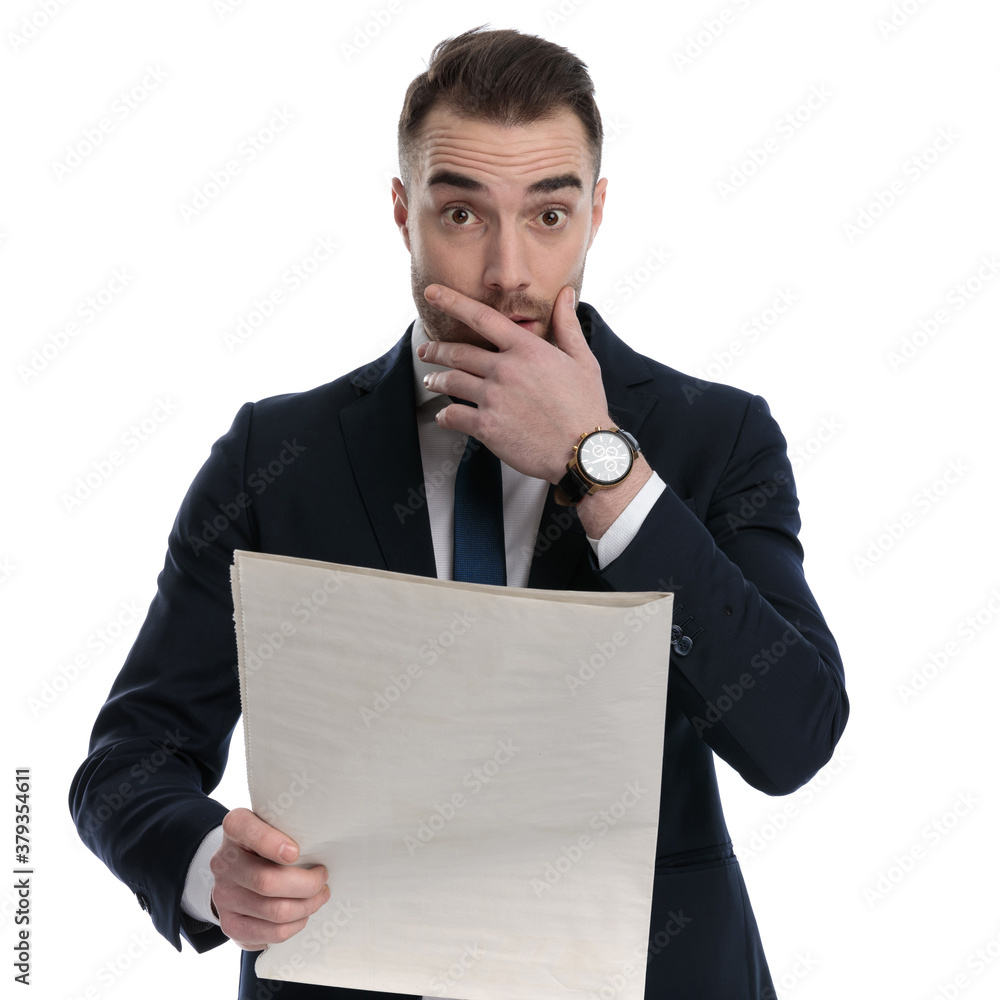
(459, 216)
(552, 217)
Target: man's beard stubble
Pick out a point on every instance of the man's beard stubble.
(439, 325)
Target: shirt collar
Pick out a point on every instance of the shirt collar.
(420, 367)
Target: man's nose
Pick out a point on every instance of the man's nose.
(507, 259)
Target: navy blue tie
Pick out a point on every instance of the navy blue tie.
(479, 556)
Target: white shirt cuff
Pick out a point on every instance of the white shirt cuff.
(626, 526)
(197, 899)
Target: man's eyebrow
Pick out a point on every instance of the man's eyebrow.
(555, 183)
(547, 184)
(453, 179)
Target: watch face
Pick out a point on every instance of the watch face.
(605, 457)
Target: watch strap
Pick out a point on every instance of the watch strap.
(572, 488)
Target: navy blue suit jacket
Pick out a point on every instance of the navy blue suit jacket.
(335, 474)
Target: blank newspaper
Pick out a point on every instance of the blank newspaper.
(477, 766)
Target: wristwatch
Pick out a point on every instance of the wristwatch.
(601, 459)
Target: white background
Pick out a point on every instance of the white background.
(869, 436)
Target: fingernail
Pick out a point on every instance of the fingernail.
(420, 350)
(427, 379)
(286, 852)
(432, 292)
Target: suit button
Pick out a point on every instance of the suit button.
(683, 646)
(675, 633)
(143, 901)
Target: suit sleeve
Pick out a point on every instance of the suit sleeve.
(753, 665)
(160, 743)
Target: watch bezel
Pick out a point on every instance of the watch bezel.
(576, 485)
(600, 484)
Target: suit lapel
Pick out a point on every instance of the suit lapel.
(560, 546)
(622, 370)
(380, 434)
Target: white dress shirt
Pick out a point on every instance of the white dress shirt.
(523, 500)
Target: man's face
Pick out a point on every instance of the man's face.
(503, 215)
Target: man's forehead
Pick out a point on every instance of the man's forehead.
(477, 154)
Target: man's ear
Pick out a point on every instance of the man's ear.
(597, 213)
(400, 212)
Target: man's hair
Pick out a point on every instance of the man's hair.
(504, 78)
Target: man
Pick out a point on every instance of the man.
(498, 203)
